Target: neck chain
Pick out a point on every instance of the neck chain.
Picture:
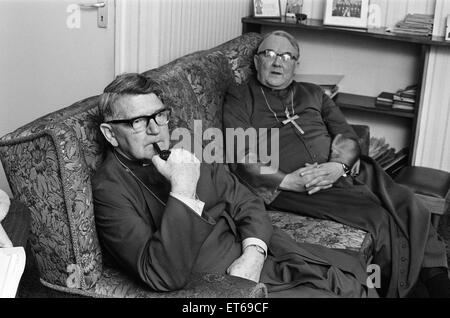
(137, 178)
(286, 109)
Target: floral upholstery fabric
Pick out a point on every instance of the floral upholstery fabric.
(116, 284)
(47, 172)
(323, 232)
(49, 162)
(240, 52)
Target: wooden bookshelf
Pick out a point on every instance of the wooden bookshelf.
(367, 104)
(252, 24)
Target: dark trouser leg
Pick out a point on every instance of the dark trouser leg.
(358, 209)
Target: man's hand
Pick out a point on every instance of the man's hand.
(321, 176)
(249, 265)
(294, 182)
(182, 169)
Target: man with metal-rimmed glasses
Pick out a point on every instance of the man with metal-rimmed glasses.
(318, 171)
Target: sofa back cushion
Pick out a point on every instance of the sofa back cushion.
(240, 52)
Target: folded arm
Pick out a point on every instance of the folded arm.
(162, 257)
(252, 223)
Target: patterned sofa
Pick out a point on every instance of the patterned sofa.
(49, 163)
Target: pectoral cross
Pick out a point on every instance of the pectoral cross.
(292, 121)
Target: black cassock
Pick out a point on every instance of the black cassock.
(404, 241)
(161, 241)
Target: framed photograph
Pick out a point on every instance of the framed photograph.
(346, 13)
(266, 9)
(293, 7)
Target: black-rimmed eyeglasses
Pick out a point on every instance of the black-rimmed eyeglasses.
(272, 55)
(141, 123)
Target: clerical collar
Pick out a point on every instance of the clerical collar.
(282, 93)
(129, 162)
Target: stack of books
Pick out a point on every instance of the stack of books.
(388, 158)
(384, 100)
(405, 99)
(415, 24)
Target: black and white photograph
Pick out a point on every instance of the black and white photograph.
(346, 8)
(293, 7)
(266, 8)
(350, 13)
(219, 158)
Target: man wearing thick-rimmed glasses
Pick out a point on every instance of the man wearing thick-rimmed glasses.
(163, 220)
(318, 176)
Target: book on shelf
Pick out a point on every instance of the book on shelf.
(399, 105)
(385, 97)
(404, 99)
(415, 24)
(407, 94)
(12, 265)
(384, 100)
(400, 157)
(387, 157)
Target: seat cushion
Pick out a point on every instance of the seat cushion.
(323, 232)
(114, 283)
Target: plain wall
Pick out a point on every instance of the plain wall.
(44, 65)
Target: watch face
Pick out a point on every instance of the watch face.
(346, 169)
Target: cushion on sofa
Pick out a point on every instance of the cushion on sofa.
(240, 52)
(323, 232)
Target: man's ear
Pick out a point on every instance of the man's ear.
(256, 61)
(109, 134)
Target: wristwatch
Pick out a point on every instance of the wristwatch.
(259, 249)
(347, 170)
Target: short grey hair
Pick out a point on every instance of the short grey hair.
(285, 35)
(125, 84)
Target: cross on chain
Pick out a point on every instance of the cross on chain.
(292, 121)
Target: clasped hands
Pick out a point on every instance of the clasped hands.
(313, 177)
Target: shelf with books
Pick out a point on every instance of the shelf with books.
(252, 24)
(367, 104)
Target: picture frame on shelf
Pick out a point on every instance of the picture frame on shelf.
(346, 13)
(293, 7)
(266, 9)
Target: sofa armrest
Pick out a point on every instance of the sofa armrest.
(46, 170)
(363, 132)
(201, 285)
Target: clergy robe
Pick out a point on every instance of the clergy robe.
(161, 241)
(404, 241)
